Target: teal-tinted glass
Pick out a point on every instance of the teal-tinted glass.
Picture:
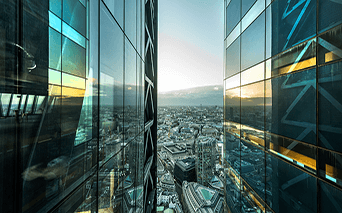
(73, 57)
(73, 35)
(55, 22)
(54, 77)
(130, 21)
(56, 7)
(55, 40)
(74, 13)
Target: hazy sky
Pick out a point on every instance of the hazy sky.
(190, 45)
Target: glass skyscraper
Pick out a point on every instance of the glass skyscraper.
(283, 105)
(78, 85)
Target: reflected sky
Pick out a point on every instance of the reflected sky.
(190, 44)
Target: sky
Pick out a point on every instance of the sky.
(190, 45)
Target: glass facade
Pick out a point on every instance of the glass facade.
(77, 99)
(282, 108)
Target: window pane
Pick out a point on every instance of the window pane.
(55, 40)
(329, 14)
(329, 106)
(293, 151)
(73, 81)
(232, 82)
(56, 7)
(233, 58)
(297, 21)
(14, 104)
(253, 74)
(111, 79)
(330, 46)
(294, 59)
(73, 35)
(291, 106)
(329, 198)
(246, 5)
(74, 13)
(73, 58)
(330, 166)
(233, 15)
(130, 21)
(232, 105)
(252, 105)
(288, 188)
(253, 43)
(252, 14)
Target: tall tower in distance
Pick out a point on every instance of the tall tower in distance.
(205, 153)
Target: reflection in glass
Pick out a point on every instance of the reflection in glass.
(54, 77)
(246, 4)
(73, 57)
(74, 13)
(290, 189)
(253, 43)
(233, 35)
(131, 21)
(294, 151)
(55, 48)
(73, 81)
(55, 22)
(298, 23)
(233, 58)
(330, 166)
(253, 74)
(232, 105)
(252, 105)
(232, 82)
(329, 198)
(254, 12)
(232, 15)
(5, 103)
(330, 46)
(329, 106)
(73, 35)
(329, 14)
(291, 106)
(296, 58)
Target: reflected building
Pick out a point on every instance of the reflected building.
(78, 105)
(282, 110)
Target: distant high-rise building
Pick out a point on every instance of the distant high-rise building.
(205, 161)
(282, 106)
(78, 85)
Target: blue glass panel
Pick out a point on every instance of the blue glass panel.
(253, 43)
(329, 14)
(233, 15)
(289, 189)
(74, 13)
(329, 106)
(233, 58)
(73, 35)
(55, 48)
(292, 22)
(56, 7)
(246, 4)
(292, 99)
(130, 21)
(330, 198)
(73, 58)
(55, 22)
